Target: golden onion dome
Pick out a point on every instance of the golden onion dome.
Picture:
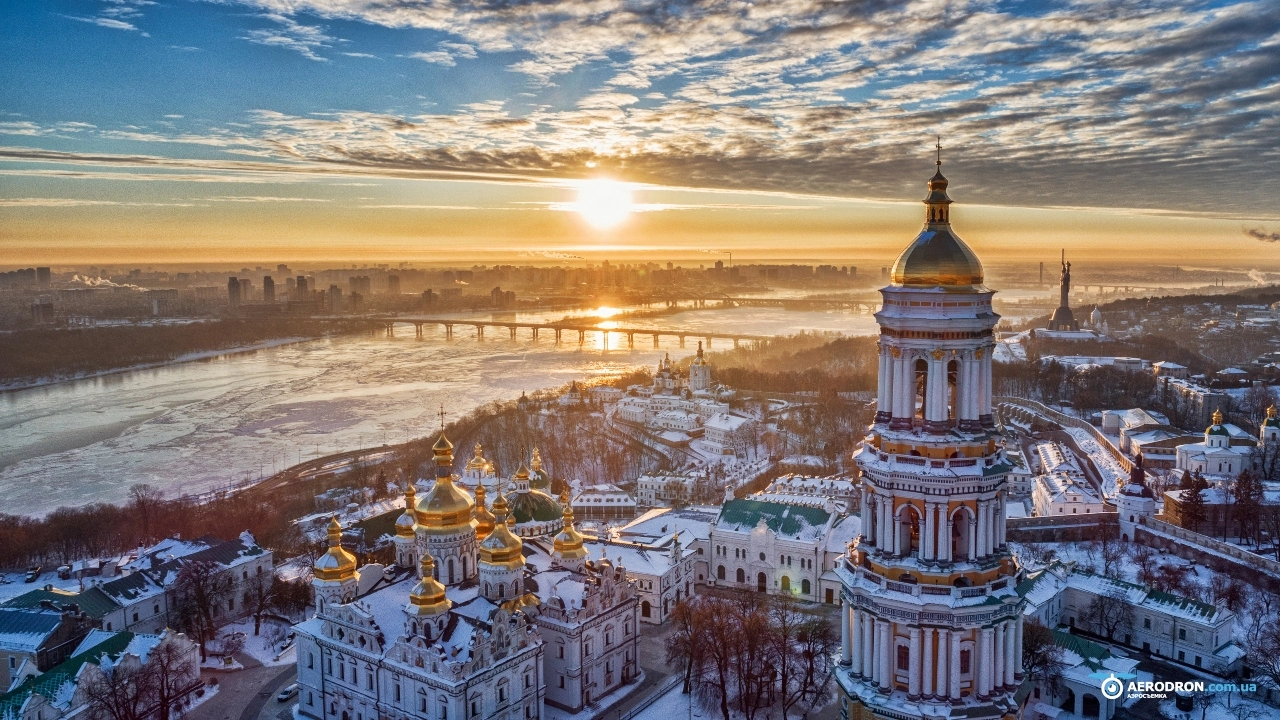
(447, 508)
(484, 518)
(427, 597)
(336, 563)
(1271, 420)
(937, 257)
(569, 542)
(477, 461)
(536, 462)
(405, 523)
(502, 547)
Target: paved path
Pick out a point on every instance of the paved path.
(236, 689)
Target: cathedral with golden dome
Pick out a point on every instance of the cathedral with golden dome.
(931, 623)
(473, 620)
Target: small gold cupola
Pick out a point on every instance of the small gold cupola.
(484, 518)
(427, 597)
(568, 543)
(405, 523)
(502, 547)
(336, 563)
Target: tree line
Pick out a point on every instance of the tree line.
(36, 353)
(750, 654)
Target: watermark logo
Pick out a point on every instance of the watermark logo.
(1112, 687)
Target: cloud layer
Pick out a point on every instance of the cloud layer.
(1171, 106)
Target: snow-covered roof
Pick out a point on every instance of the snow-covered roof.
(726, 422)
(26, 630)
(787, 520)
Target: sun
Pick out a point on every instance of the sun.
(604, 203)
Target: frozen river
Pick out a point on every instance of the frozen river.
(195, 426)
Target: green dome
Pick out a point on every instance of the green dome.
(1217, 430)
(534, 506)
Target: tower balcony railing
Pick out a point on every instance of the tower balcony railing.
(962, 465)
(919, 589)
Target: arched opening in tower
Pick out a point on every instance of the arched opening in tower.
(922, 389)
(960, 534)
(953, 409)
(909, 530)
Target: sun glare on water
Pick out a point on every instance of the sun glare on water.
(604, 204)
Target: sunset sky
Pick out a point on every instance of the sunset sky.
(279, 130)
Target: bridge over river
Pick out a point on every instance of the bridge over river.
(559, 329)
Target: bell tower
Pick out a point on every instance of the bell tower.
(931, 623)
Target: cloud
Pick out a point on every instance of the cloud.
(1263, 235)
(264, 199)
(112, 23)
(437, 57)
(359, 55)
(78, 202)
(184, 48)
(1076, 102)
(291, 35)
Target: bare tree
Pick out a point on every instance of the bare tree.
(1109, 613)
(1042, 658)
(171, 675)
(260, 598)
(117, 693)
(145, 501)
(1146, 560)
(201, 588)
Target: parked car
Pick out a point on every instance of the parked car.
(288, 693)
(33, 573)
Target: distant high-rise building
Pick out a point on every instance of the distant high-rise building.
(42, 276)
(335, 299)
(268, 289)
(393, 284)
(359, 284)
(42, 310)
(302, 288)
(290, 285)
(233, 291)
(283, 269)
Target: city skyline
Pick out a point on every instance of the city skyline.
(257, 131)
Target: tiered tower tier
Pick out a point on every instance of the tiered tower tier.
(931, 624)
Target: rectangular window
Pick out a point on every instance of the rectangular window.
(561, 681)
(311, 661)
(1197, 661)
(964, 661)
(1182, 656)
(1146, 623)
(904, 657)
(1182, 633)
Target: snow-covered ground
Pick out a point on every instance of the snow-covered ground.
(209, 691)
(266, 646)
(1113, 473)
(597, 709)
(14, 584)
(1241, 709)
(675, 704)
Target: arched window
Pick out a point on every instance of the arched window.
(761, 583)
(786, 584)
(451, 571)
(804, 586)
(646, 608)
(742, 576)
(720, 572)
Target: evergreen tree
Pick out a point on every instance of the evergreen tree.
(1193, 508)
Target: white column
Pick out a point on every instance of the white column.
(926, 543)
(944, 534)
(943, 678)
(1002, 527)
(983, 528)
(997, 652)
(926, 664)
(868, 649)
(1017, 650)
(902, 396)
(846, 642)
(883, 389)
(985, 662)
(855, 640)
(984, 397)
(886, 655)
(954, 665)
(1010, 653)
(931, 390)
(894, 540)
(973, 539)
(913, 665)
(883, 526)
